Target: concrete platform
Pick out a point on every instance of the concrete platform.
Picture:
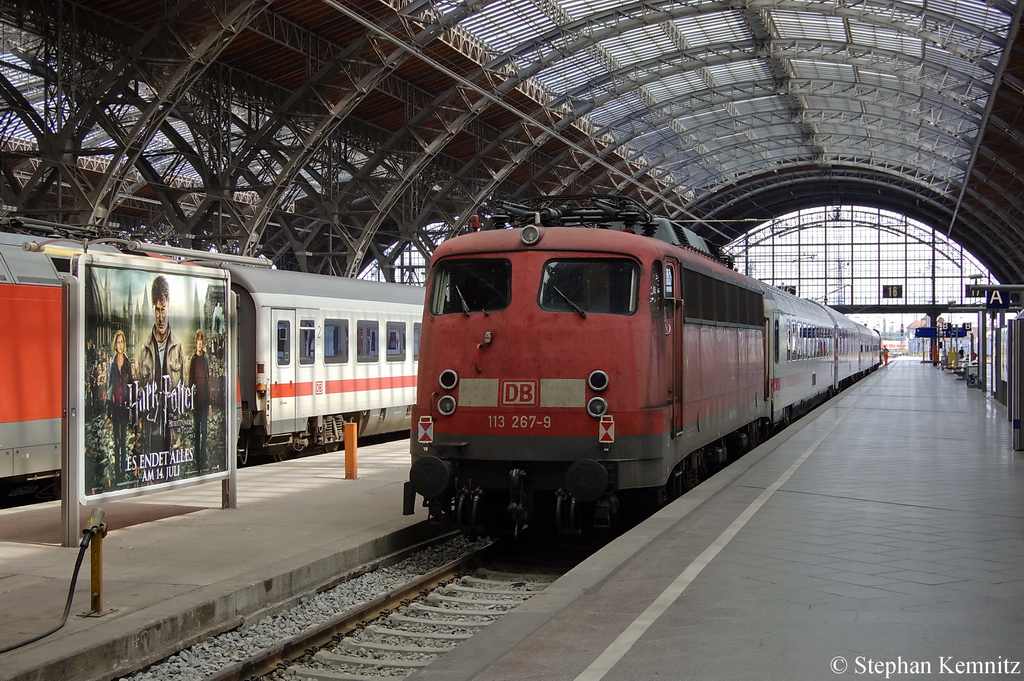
(881, 537)
(177, 567)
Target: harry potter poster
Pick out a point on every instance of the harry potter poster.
(156, 349)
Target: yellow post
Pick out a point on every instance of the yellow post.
(96, 583)
(98, 530)
(351, 435)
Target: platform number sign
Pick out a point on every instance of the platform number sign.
(997, 300)
(892, 290)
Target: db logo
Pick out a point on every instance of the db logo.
(519, 394)
(318, 388)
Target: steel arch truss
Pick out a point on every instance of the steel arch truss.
(328, 135)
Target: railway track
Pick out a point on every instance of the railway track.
(390, 635)
(422, 630)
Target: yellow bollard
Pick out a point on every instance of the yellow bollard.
(351, 435)
(99, 530)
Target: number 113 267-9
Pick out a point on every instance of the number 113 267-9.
(518, 421)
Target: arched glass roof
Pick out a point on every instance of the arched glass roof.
(858, 256)
(323, 133)
(710, 92)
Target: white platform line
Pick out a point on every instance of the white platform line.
(621, 645)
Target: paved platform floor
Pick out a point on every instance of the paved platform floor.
(177, 567)
(880, 537)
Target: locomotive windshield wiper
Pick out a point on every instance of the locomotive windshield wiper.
(571, 304)
(465, 308)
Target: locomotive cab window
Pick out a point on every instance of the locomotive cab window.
(466, 286)
(335, 341)
(590, 286)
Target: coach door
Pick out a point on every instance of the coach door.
(282, 377)
(674, 331)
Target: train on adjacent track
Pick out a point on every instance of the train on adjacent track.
(313, 352)
(590, 362)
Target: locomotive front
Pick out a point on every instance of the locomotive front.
(532, 406)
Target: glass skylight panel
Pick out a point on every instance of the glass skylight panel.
(974, 12)
(959, 64)
(759, 105)
(714, 28)
(808, 25)
(616, 109)
(578, 9)
(886, 39)
(570, 73)
(739, 72)
(640, 44)
(819, 70)
(504, 25)
(705, 118)
(676, 85)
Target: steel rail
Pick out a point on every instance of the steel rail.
(269, 659)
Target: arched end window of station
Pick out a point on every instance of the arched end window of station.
(405, 260)
(859, 256)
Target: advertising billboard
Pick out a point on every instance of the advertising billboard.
(155, 394)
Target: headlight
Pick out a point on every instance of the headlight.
(596, 407)
(598, 381)
(448, 379)
(446, 405)
(531, 235)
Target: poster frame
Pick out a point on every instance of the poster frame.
(75, 371)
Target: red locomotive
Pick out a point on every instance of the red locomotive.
(570, 376)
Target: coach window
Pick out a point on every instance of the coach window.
(776, 340)
(657, 292)
(396, 342)
(590, 286)
(284, 343)
(471, 285)
(367, 349)
(416, 341)
(335, 341)
(307, 341)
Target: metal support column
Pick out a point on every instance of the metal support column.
(1017, 381)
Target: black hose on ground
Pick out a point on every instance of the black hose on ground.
(87, 535)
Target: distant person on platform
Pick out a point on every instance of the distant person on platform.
(199, 381)
(161, 355)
